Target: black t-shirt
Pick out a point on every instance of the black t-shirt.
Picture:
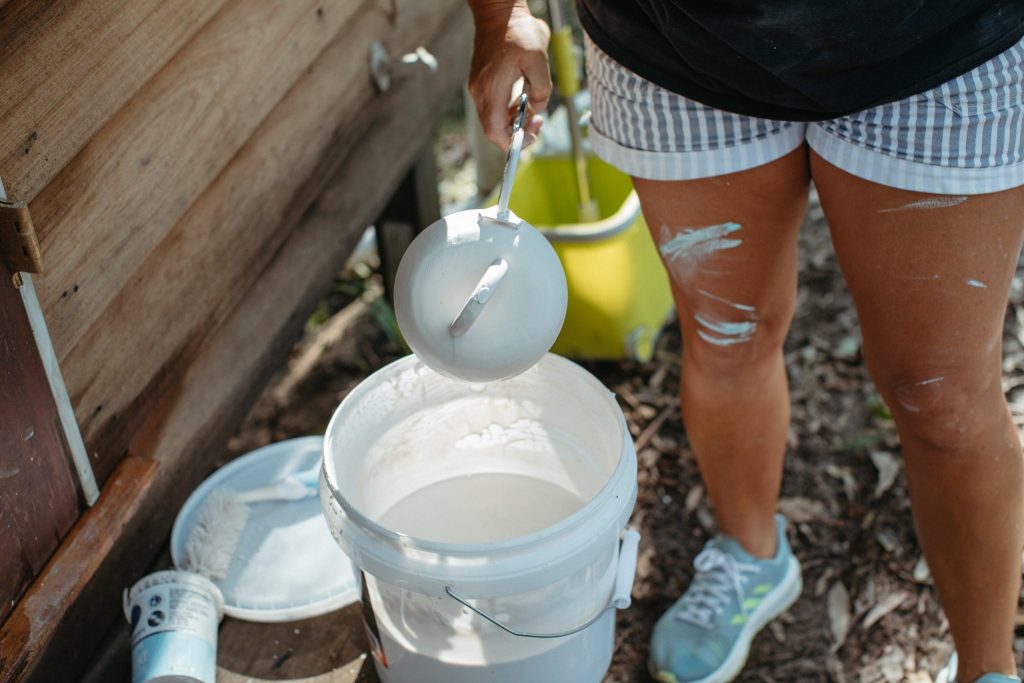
(801, 60)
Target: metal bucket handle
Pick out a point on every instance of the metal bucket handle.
(624, 575)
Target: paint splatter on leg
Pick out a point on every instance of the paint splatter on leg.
(723, 333)
(930, 203)
(684, 249)
(694, 243)
(914, 396)
(731, 304)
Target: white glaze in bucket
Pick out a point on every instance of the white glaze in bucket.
(481, 508)
(516, 493)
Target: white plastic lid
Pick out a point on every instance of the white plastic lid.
(287, 565)
(501, 280)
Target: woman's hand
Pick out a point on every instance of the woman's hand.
(510, 44)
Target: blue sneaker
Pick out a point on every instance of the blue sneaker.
(948, 674)
(705, 636)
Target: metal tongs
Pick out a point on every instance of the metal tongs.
(497, 270)
(512, 162)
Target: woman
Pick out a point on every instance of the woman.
(907, 116)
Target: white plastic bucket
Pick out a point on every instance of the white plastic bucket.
(488, 521)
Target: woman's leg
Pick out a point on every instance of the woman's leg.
(930, 281)
(729, 244)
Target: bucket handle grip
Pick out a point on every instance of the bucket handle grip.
(624, 575)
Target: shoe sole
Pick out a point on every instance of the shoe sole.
(777, 602)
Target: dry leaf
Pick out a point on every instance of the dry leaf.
(821, 585)
(707, 520)
(921, 572)
(835, 669)
(887, 539)
(838, 614)
(887, 604)
(847, 348)
(844, 475)
(799, 510)
(648, 457)
(891, 664)
(888, 467)
(693, 497)
(644, 562)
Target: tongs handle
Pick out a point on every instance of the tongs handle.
(513, 157)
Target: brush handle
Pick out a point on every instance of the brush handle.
(291, 487)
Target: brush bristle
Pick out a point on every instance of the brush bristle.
(218, 527)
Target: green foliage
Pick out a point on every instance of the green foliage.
(861, 442)
(878, 408)
(384, 315)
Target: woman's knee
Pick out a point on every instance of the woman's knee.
(948, 410)
(735, 341)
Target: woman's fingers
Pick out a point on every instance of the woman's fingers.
(536, 70)
(532, 128)
(504, 52)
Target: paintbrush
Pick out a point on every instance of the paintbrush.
(214, 536)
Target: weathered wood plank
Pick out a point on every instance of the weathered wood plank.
(25, 635)
(38, 492)
(212, 256)
(114, 202)
(309, 648)
(211, 391)
(69, 66)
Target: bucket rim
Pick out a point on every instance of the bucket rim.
(623, 218)
(472, 549)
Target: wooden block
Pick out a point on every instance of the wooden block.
(118, 198)
(225, 240)
(210, 394)
(26, 633)
(359, 670)
(38, 488)
(69, 66)
(304, 649)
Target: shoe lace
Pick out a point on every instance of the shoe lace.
(719, 577)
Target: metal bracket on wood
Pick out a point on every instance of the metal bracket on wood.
(383, 67)
(19, 247)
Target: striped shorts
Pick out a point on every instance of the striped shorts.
(962, 137)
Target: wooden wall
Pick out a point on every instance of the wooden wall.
(40, 499)
(197, 170)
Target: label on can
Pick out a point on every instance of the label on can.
(171, 607)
